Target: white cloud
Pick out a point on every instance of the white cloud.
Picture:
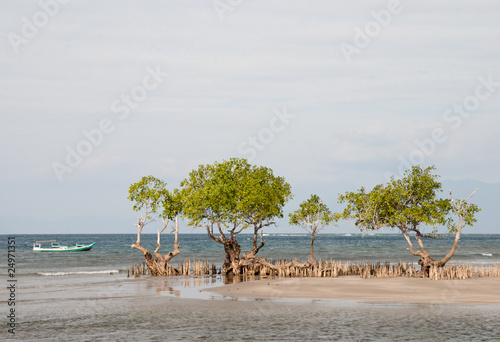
(354, 120)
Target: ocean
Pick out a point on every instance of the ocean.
(86, 296)
(112, 252)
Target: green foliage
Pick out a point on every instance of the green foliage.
(263, 196)
(233, 194)
(151, 195)
(467, 211)
(312, 215)
(405, 203)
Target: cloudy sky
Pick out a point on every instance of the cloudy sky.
(331, 95)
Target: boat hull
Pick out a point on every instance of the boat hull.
(77, 248)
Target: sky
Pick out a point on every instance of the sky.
(330, 95)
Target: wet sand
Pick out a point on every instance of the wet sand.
(115, 308)
(478, 291)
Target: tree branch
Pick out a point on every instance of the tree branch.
(458, 208)
(140, 225)
(407, 237)
(158, 245)
(210, 232)
(176, 250)
(255, 248)
(421, 244)
(239, 231)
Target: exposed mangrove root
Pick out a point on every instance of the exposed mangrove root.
(462, 272)
(187, 268)
(137, 270)
(159, 264)
(329, 269)
(321, 269)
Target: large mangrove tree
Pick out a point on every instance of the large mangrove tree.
(229, 197)
(411, 204)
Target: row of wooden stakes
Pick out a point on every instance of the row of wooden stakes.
(330, 269)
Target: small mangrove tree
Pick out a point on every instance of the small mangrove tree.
(151, 197)
(313, 215)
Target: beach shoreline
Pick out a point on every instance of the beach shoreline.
(476, 291)
(109, 307)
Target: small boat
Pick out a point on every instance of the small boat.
(57, 247)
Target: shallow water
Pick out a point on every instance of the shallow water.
(114, 308)
(112, 252)
(87, 296)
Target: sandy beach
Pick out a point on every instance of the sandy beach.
(82, 297)
(479, 291)
(105, 307)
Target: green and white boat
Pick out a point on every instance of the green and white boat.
(57, 247)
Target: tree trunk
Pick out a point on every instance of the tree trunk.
(248, 259)
(232, 262)
(157, 266)
(426, 261)
(311, 257)
(255, 246)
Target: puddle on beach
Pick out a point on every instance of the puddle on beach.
(186, 287)
(196, 288)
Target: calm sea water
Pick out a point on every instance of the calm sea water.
(74, 296)
(112, 252)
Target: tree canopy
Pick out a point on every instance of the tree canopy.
(233, 195)
(151, 195)
(410, 204)
(313, 215)
(230, 196)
